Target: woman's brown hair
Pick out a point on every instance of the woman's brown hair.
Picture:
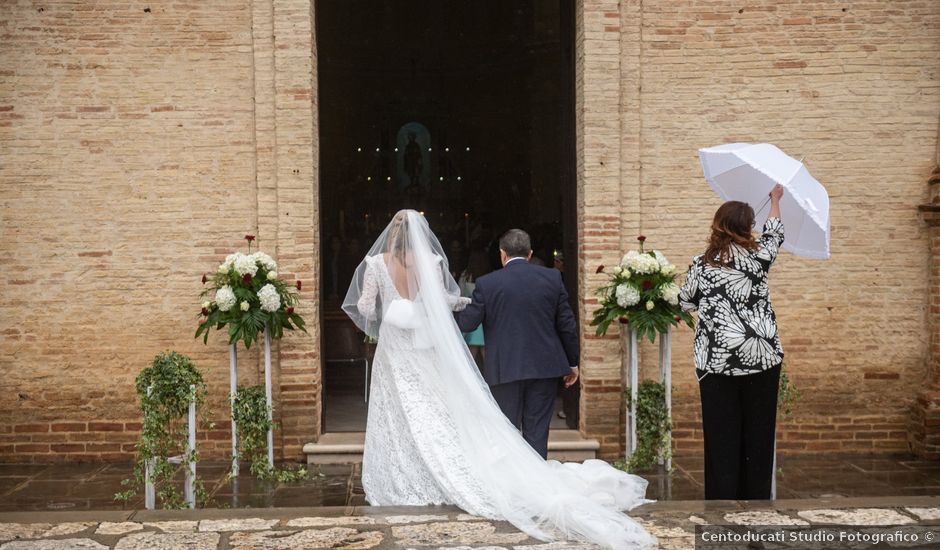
(732, 225)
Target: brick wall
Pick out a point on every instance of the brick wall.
(854, 88)
(138, 148)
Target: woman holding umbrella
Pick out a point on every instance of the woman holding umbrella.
(737, 350)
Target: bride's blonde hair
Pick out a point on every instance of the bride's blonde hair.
(398, 237)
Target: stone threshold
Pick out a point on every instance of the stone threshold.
(346, 447)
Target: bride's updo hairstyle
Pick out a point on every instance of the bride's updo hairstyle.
(398, 237)
(732, 225)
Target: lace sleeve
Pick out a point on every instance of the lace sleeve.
(452, 296)
(370, 289)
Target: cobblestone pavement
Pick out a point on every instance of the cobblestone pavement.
(366, 527)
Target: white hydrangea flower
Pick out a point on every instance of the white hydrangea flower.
(645, 264)
(627, 295)
(628, 258)
(617, 270)
(270, 300)
(265, 260)
(245, 306)
(229, 261)
(225, 298)
(650, 305)
(668, 269)
(272, 275)
(671, 293)
(206, 304)
(661, 258)
(245, 264)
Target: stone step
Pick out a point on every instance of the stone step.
(346, 447)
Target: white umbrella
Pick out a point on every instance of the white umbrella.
(747, 172)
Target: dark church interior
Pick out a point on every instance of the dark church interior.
(462, 111)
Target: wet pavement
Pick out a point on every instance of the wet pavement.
(91, 486)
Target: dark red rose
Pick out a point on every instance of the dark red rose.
(600, 269)
(246, 277)
(298, 285)
(624, 321)
(205, 311)
(249, 238)
(641, 238)
(290, 311)
(647, 284)
(204, 279)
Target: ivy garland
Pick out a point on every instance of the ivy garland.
(787, 394)
(653, 427)
(165, 390)
(250, 411)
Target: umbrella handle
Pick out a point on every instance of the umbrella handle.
(759, 210)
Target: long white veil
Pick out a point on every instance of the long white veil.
(545, 499)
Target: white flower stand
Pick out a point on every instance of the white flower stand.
(150, 495)
(773, 478)
(267, 394)
(631, 380)
(233, 387)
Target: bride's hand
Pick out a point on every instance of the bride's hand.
(461, 303)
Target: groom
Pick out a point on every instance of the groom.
(531, 337)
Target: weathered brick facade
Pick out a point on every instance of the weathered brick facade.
(852, 87)
(138, 144)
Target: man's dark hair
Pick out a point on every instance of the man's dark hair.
(515, 243)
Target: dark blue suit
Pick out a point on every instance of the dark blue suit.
(531, 341)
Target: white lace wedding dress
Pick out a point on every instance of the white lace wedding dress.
(434, 433)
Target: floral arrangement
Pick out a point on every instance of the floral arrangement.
(642, 292)
(247, 296)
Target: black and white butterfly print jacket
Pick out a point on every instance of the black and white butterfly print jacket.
(737, 329)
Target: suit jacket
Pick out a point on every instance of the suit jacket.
(528, 325)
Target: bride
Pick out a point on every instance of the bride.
(436, 436)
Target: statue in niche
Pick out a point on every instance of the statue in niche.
(414, 160)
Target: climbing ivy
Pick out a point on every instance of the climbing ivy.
(787, 394)
(250, 411)
(653, 427)
(165, 390)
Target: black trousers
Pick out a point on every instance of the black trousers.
(529, 405)
(739, 415)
